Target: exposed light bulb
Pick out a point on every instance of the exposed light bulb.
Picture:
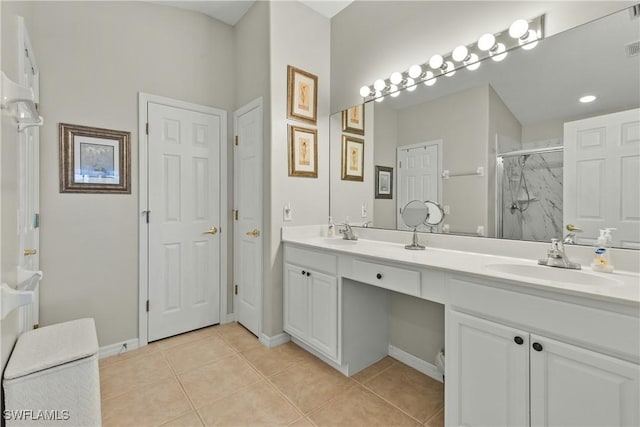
(379, 85)
(410, 85)
(436, 61)
(499, 53)
(415, 71)
(365, 91)
(486, 42)
(393, 90)
(460, 53)
(379, 97)
(530, 41)
(396, 78)
(473, 63)
(519, 28)
(452, 69)
(429, 79)
(588, 98)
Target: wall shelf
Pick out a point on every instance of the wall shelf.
(14, 95)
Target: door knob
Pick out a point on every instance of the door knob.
(28, 252)
(253, 233)
(212, 230)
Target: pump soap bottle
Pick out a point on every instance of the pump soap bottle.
(331, 232)
(602, 257)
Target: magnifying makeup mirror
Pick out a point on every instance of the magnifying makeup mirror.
(436, 214)
(414, 214)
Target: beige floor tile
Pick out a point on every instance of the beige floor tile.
(270, 361)
(415, 393)
(375, 369)
(190, 419)
(153, 405)
(197, 353)
(239, 338)
(258, 405)
(359, 407)
(132, 373)
(216, 380)
(310, 384)
(302, 422)
(128, 355)
(437, 420)
(178, 340)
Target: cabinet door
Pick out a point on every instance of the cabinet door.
(323, 313)
(296, 301)
(487, 373)
(571, 386)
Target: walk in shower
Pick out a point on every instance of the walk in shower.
(529, 194)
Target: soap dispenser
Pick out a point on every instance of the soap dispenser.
(602, 256)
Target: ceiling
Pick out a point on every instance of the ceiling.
(231, 11)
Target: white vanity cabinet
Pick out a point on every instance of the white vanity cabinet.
(311, 299)
(501, 375)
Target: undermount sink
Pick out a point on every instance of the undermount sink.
(339, 241)
(554, 274)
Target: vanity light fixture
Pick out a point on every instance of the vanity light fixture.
(588, 98)
(521, 34)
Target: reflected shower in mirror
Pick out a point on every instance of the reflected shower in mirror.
(510, 150)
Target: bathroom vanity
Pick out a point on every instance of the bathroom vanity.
(525, 344)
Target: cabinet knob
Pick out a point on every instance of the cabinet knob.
(304, 272)
(379, 276)
(537, 346)
(519, 340)
(308, 273)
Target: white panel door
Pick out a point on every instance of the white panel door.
(571, 386)
(323, 312)
(248, 225)
(184, 204)
(601, 176)
(296, 301)
(487, 373)
(419, 175)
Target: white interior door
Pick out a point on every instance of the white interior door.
(184, 219)
(419, 175)
(601, 176)
(248, 220)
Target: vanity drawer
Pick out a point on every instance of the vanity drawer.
(318, 261)
(384, 276)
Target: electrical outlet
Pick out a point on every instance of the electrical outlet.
(363, 210)
(286, 213)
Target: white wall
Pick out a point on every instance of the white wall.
(94, 58)
(300, 37)
(386, 136)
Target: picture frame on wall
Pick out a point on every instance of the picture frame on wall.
(303, 152)
(302, 95)
(353, 120)
(94, 160)
(352, 158)
(384, 182)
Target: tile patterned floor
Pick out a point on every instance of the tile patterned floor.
(222, 376)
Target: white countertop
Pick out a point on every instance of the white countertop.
(624, 289)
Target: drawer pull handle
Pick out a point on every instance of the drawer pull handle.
(304, 272)
(308, 273)
(519, 340)
(379, 276)
(537, 346)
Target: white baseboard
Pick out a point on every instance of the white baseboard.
(113, 349)
(416, 363)
(231, 317)
(275, 340)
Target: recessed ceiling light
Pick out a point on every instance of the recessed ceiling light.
(588, 98)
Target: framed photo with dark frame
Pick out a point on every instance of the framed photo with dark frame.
(353, 119)
(94, 160)
(352, 158)
(384, 182)
(303, 152)
(302, 95)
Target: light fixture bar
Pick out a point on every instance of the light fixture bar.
(521, 34)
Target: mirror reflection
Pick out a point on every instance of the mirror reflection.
(509, 150)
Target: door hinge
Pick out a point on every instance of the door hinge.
(147, 214)
(147, 306)
(36, 325)
(147, 128)
(235, 214)
(237, 140)
(400, 165)
(235, 289)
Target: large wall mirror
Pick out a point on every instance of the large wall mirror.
(508, 150)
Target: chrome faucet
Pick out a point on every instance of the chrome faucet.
(347, 232)
(569, 238)
(367, 224)
(557, 258)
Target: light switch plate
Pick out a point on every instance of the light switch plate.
(286, 213)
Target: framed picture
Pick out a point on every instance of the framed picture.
(352, 158)
(303, 152)
(94, 160)
(302, 94)
(384, 182)
(353, 120)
